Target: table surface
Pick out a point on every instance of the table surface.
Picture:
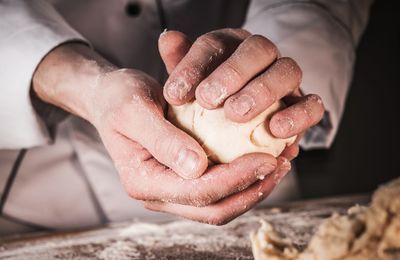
(179, 239)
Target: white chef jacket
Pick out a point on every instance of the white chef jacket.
(67, 178)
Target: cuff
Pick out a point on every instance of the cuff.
(31, 30)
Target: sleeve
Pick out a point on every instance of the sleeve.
(321, 35)
(28, 31)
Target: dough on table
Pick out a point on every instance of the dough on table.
(224, 140)
(364, 233)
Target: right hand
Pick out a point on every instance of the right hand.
(243, 74)
(142, 143)
(156, 161)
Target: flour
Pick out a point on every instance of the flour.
(363, 233)
(178, 239)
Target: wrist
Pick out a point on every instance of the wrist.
(67, 78)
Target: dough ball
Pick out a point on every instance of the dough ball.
(224, 140)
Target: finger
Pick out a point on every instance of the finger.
(230, 207)
(206, 53)
(219, 182)
(173, 46)
(292, 151)
(125, 153)
(252, 56)
(298, 117)
(168, 144)
(282, 78)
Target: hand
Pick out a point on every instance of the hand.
(220, 194)
(245, 74)
(126, 107)
(126, 102)
(222, 211)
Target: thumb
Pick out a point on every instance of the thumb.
(173, 46)
(168, 144)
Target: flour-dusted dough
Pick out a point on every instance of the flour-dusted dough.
(364, 233)
(224, 140)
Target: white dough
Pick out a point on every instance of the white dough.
(224, 140)
(364, 233)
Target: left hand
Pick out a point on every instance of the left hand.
(245, 74)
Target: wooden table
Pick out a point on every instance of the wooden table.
(177, 239)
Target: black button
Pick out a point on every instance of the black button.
(133, 9)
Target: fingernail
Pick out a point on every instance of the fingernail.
(284, 125)
(164, 32)
(178, 89)
(243, 104)
(214, 94)
(188, 161)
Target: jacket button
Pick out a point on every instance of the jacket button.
(133, 9)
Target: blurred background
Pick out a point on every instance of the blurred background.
(366, 151)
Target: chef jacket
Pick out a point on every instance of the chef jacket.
(67, 179)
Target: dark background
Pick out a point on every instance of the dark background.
(366, 151)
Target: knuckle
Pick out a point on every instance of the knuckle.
(234, 71)
(167, 148)
(131, 186)
(314, 98)
(291, 66)
(201, 199)
(238, 32)
(316, 101)
(163, 144)
(264, 89)
(123, 114)
(134, 193)
(261, 43)
(147, 205)
(211, 41)
(217, 219)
